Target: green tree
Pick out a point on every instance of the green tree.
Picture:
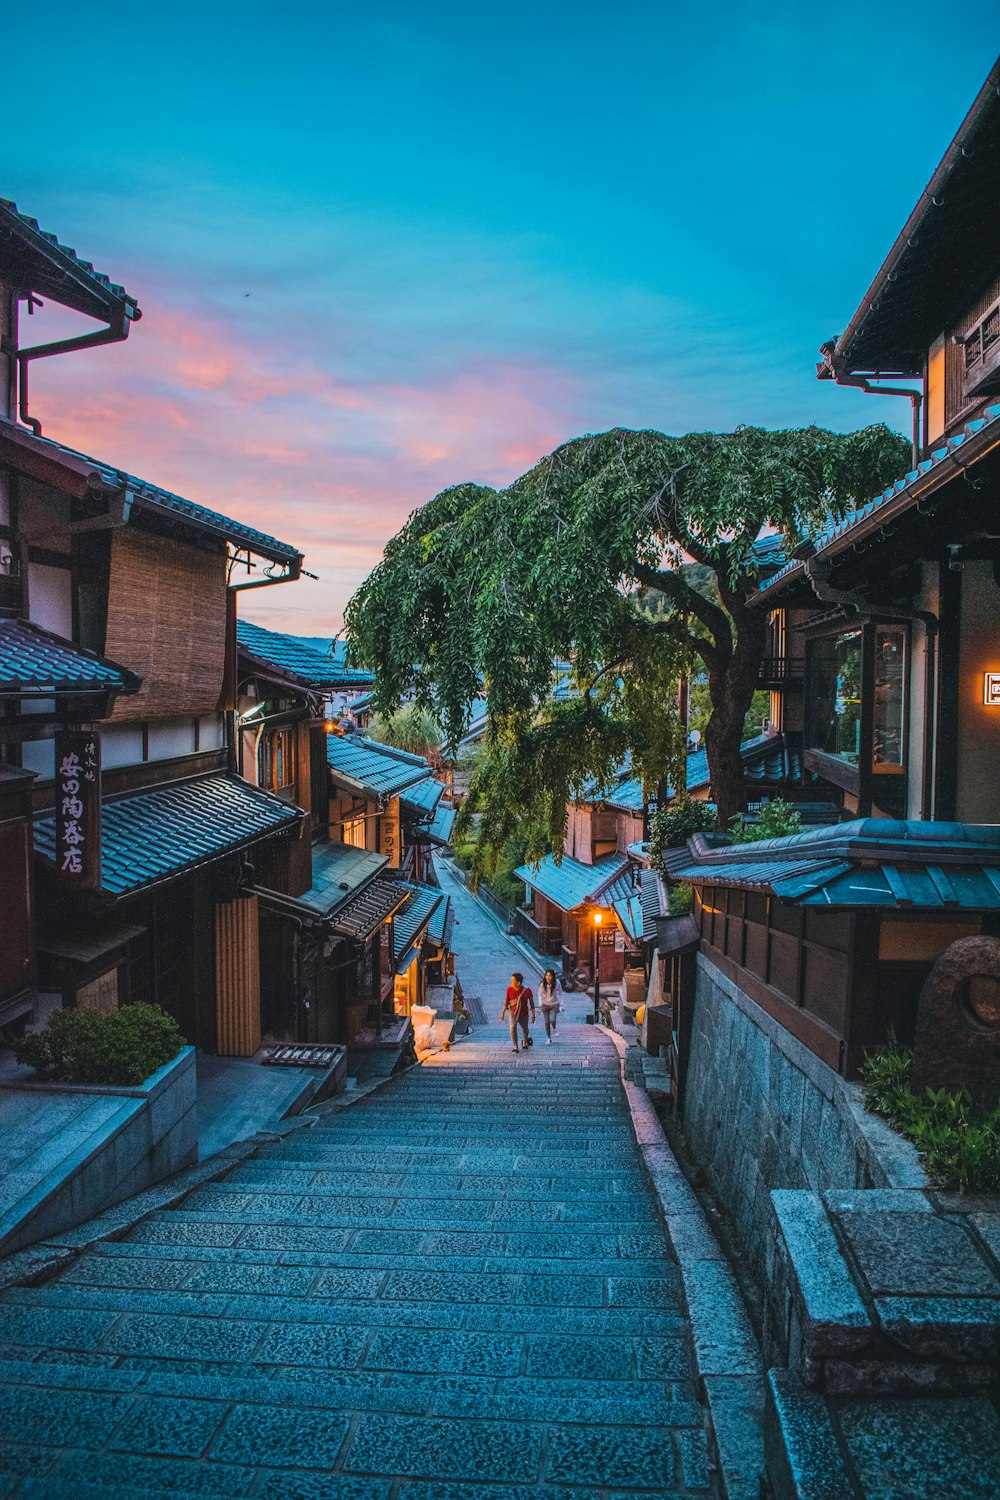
(485, 586)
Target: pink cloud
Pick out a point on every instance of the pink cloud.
(257, 426)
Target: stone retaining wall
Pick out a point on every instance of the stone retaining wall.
(152, 1134)
(763, 1112)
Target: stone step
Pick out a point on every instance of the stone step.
(433, 1185)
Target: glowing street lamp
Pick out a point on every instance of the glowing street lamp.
(598, 918)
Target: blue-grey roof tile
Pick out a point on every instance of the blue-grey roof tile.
(571, 883)
(412, 918)
(300, 659)
(339, 872)
(47, 245)
(373, 769)
(34, 661)
(424, 796)
(165, 831)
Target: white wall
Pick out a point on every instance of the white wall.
(50, 598)
(39, 756)
(211, 732)
(171, 737)
(121, 745)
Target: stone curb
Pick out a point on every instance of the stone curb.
(728, 1361)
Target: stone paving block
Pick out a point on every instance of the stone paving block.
(92, 1270)
(964, 1328)
(59, 1418)
(20, 1459)
(440, 1449)
(49, 1327)
(285, 1486)
(222, 1276)
(529, 1318)
(73, 1299)
(176, 1427)
(345, 1284)
(668, 1358)
(110, 1473)
(907, 1254)
(184, 1337)
(536, 1290)
(330, 1348)
(723, 1339)
(622, 1455)
(581, 1358)
(804, 1458)
(173, 1229)
(420, 1285)
(468, 1353)
(692, 1450)
(642, 1291)
(923, 1449)
(292, 1237)
(283, 1437)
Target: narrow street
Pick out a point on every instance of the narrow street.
(457, 1289)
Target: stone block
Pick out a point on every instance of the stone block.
(826, 1304)
(917, 1255)
(912, 1447)
(802, 1454)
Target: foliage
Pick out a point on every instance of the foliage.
(410, 728)
(672, 825)
(959, 1142)
(681, 898)
(486, 587)
(465, 854)
(778, 819)
(84, 1046)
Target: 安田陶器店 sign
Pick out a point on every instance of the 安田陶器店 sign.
(78, 807)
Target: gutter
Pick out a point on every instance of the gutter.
(116, 331)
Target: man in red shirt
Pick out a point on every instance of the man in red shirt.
(517, 1003)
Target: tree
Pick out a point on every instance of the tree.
(409, 728)
(485, 586)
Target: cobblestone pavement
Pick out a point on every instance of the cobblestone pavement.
(457, 1289)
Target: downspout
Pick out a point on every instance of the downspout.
(113, 334)
(832, 369)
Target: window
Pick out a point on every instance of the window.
(354, 831)
(889, 723)
(834, 709)
(277, 770)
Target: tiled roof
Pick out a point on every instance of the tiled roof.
(869, 862)
(903, 489)
(150, 498)
(625, 902)
(36, 662)
(339, 872)
(627, 796)
(654, 901)
(374, 769)
(363, 916)
(412, 918)
(571, 883)
(442, 923)
(439, 829)
(154, 835)
(23, 228)
(424, 796)
(291, 654)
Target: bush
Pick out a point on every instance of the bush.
(83, 1046)
(681, 897)
(672, 826)
(777, 820)
(960, 1143)
(464, 855)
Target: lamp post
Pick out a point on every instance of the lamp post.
(598, 916)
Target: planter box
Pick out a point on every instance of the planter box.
(91, 1146)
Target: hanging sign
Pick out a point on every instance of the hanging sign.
(78, 808)
(388, 832)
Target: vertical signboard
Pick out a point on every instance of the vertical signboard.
(388, 832)
(78, 808)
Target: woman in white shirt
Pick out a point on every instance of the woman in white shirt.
(548, 998)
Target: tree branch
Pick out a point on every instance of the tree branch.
(686, 598)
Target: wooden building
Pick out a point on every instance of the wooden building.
(124, 595)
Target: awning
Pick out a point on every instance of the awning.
(570, 883)
(34, 663)
(438, 830)
(441, 926)
(363, 916)
(155, 835)
(624, 901)
(307, 664)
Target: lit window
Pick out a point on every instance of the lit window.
(889, 722)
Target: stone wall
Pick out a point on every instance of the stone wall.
(763, 1112)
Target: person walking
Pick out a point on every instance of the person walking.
(548, 999)
(517, 1002)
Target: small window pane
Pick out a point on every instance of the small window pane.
(889, 720)
(834, 709)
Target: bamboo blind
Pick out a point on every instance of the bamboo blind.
(167, 621)
(237, 977)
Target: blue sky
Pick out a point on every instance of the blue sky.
(467, 234)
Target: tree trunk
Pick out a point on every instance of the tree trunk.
(731, 688)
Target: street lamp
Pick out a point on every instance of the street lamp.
(598, 917)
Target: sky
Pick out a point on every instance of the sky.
(383, 249)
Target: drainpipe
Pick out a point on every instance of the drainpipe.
(831, 369)
(113, 334)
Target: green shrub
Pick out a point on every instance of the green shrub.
(778, 819)
(83, 1046)
(681, 899)
(672, 826)
(959, 1141)
(464, 855)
